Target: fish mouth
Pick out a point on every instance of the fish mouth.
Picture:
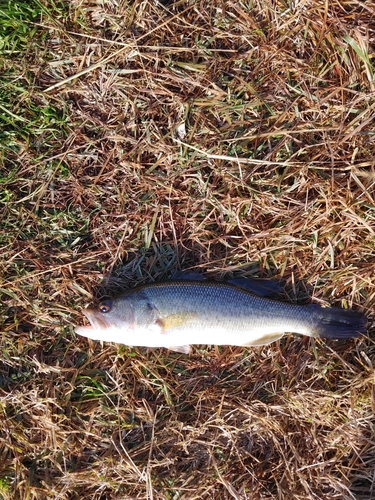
(97, 321)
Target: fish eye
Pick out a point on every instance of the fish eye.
(105, 307)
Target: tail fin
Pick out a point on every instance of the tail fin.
(336, 323)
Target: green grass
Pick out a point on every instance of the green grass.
(99, 191)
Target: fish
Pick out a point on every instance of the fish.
(190, 310)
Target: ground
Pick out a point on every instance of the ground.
(234, 138)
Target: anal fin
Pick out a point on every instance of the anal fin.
(268, 338)
(184, 349)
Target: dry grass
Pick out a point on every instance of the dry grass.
(140, 137)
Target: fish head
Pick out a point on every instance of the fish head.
(130, 319)
(109, 315)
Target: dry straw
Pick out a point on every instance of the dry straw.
(140, 137)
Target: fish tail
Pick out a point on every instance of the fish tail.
(336, 323)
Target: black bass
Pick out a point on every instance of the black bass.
(178, 313)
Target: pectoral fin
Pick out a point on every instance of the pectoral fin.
(268, 338)
(175, 320)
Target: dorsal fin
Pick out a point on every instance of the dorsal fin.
(187, 276)
(261, 287)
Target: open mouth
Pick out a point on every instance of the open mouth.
(97, 321)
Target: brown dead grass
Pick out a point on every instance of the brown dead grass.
(232, 137)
